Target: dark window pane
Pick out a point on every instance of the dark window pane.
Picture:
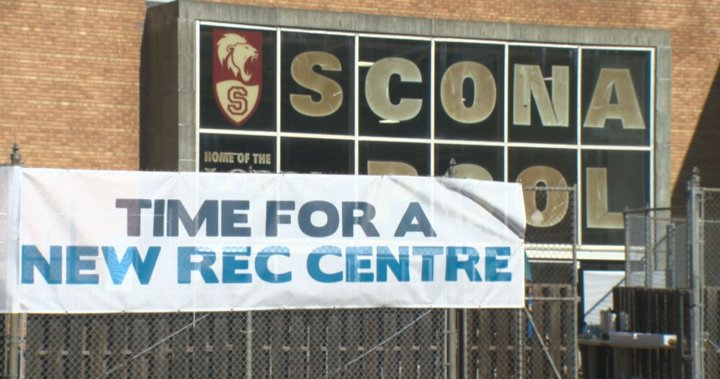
(317, 155)
(237, 82)
(462, 71)
(227, 153)
(549, 213)
(543, 95)
(472, 161)
(394, 88)
(617, 84)
(317, 96)
(613, 181)
(384, 158)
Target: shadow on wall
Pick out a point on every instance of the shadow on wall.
(704, 149)
(159, 107)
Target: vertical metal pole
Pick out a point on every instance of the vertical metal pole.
(629, 226)
(462, 340)
(519, 343)
(15, 155)
(452, 318)
(576, 302)
(16, 335)
(15, 322)
(670, 269)
(646, 238)
(249, 346)
(452, 350)
(452, 344)
(649, 250)
(696, 256)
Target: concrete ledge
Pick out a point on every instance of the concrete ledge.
(427, 27)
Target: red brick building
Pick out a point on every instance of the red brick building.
(71, 72)
(122, 85)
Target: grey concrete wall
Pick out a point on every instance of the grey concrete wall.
(159, 103)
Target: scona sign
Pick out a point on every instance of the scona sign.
(544, 115)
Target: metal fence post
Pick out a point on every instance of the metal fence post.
(452, 318)
(670, 257)
(628, 227)
(575, 280)
(649, 249)
(15, 325)
(249, 345)
(696, 256)
(452, 350)
(519, 343)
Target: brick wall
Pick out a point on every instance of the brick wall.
(69, 89)
(69, 71)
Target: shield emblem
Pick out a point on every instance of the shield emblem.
(237, 73)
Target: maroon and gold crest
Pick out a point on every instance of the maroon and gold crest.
(237, 73)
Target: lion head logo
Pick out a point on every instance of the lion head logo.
(234, 51)
(237, 72)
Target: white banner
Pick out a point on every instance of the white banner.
(101, 241)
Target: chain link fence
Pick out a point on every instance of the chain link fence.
(681, 254)
(539, 341)
(709, 307)
(267, 344)
(656, 249)
(551, 316)
(656, 298)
